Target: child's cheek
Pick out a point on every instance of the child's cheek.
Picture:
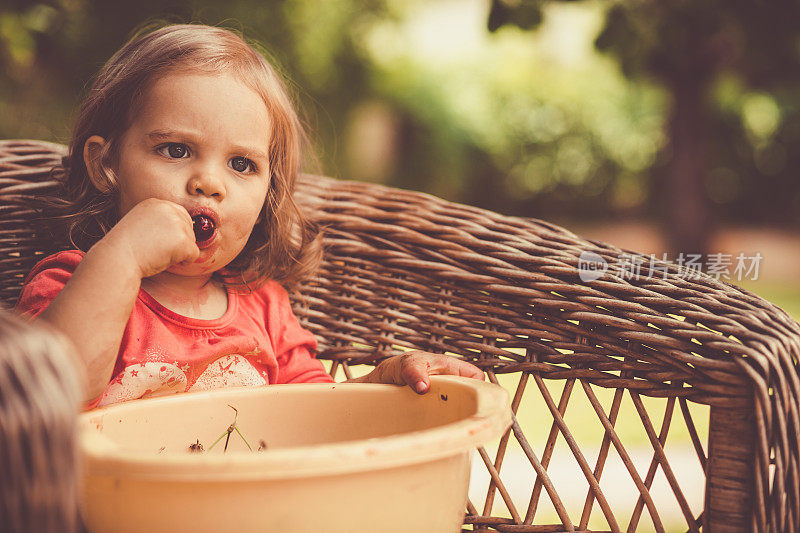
(241, 232)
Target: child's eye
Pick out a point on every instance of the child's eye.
(175, 150)
(241, 164)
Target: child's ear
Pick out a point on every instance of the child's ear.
(92, 155)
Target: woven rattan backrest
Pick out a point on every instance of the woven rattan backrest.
(26, 170)
(404, 270)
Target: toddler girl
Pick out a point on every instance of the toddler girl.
(179, 184)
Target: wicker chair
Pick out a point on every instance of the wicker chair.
(408, 270)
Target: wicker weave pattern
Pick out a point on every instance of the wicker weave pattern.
(407, 270)
(24, 172)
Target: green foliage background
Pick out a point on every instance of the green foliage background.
(511, 119)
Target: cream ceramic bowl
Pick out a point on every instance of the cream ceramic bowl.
(338, 458)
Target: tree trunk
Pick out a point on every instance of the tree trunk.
(688, 211)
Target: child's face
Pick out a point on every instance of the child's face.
(200, 141)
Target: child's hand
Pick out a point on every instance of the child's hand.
(415, 368)
(157, 234)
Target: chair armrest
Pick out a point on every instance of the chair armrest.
(408, 270)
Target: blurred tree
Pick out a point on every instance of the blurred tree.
(50, 49)
(689, 47)
(532, 125)
(504, 122)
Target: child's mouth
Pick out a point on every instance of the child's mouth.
(204, 228)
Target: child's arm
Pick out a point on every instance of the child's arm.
(94, 306)
(415, 368)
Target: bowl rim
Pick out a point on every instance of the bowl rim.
(491, 418)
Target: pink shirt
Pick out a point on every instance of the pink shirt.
(257, 341)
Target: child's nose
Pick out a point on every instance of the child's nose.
(206, 184)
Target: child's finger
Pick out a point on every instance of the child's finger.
(465, 369)
(414, 370)
(187, 254)
(456, 367)
(417, 367)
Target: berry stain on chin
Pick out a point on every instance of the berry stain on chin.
(206, 258)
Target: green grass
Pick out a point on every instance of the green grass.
(784, 295)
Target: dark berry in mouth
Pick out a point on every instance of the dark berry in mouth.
(203, 228)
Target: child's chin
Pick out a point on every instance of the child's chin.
(192, 270)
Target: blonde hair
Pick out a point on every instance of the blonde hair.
(284, 245)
